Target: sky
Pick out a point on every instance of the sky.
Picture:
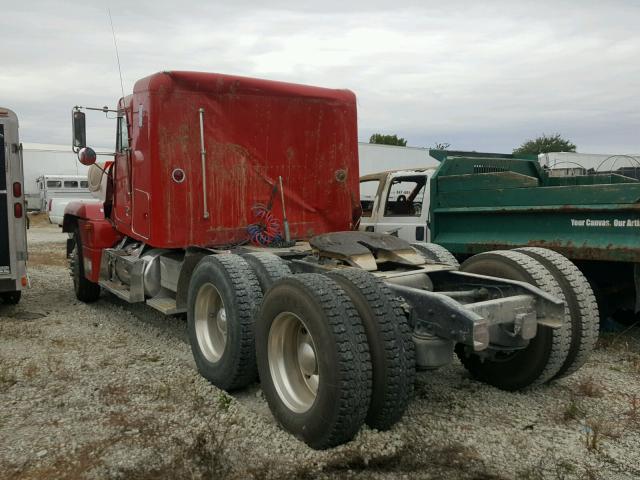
(480, 76)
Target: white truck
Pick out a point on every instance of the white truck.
(397, 202)
(46, 159)
(69, 187)
(13, 232)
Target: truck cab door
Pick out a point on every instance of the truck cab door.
(122, 174)
(404, 207)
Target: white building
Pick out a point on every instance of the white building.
(378, 158)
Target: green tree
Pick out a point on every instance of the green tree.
(546, 144)
(387, 140)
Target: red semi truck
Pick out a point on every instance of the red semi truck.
(235, 199)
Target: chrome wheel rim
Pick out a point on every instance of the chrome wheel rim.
(210, 322)
(293, 362)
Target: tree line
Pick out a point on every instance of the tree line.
(542, 144)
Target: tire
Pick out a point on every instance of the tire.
(11, 298)
(267, 267)
(542, 359)
(436, 253)
(85, 290)
(583, 309)
(390, 344)
(322, 399)
(222, 302)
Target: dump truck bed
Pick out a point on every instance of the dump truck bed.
(485, 203)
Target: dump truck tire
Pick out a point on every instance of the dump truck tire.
(583, 309)
(267, 267)
(313, 359)
(390, 343)
(542, 359)
(11, 298)
(85, 290)
(436, 253)
(223, 299)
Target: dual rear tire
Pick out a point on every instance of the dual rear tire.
(553, 353)
(332, 351)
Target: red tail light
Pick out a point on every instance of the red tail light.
(17, 190)
(50, 201)
(17, 210)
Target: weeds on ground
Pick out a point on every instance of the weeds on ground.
(64, 342)
(634, 410)
(57, 369)
(114, 394)
(595, 431)
(590, 388)
(224, 401)
(19, 331)
(203, 458)
(30, 370)
(7, 376)
(573, 410)
(550, 467)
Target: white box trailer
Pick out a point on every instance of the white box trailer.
(13, 231)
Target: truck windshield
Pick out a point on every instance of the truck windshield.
(405, 197)
(368, 190)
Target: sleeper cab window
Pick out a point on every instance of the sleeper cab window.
(122, 136)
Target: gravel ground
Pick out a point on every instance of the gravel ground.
(110, 390)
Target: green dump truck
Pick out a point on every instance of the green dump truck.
(477, 202)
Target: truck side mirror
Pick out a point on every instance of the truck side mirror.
(87, 156)
(79, 130)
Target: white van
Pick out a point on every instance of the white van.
(13, 231)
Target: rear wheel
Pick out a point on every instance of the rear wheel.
(85, 290)
(581, 301)
(223, 299)
(436, 253)
(11, 298)
(389, 337)
(545, 354)
(313, 360)
(267, 267)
